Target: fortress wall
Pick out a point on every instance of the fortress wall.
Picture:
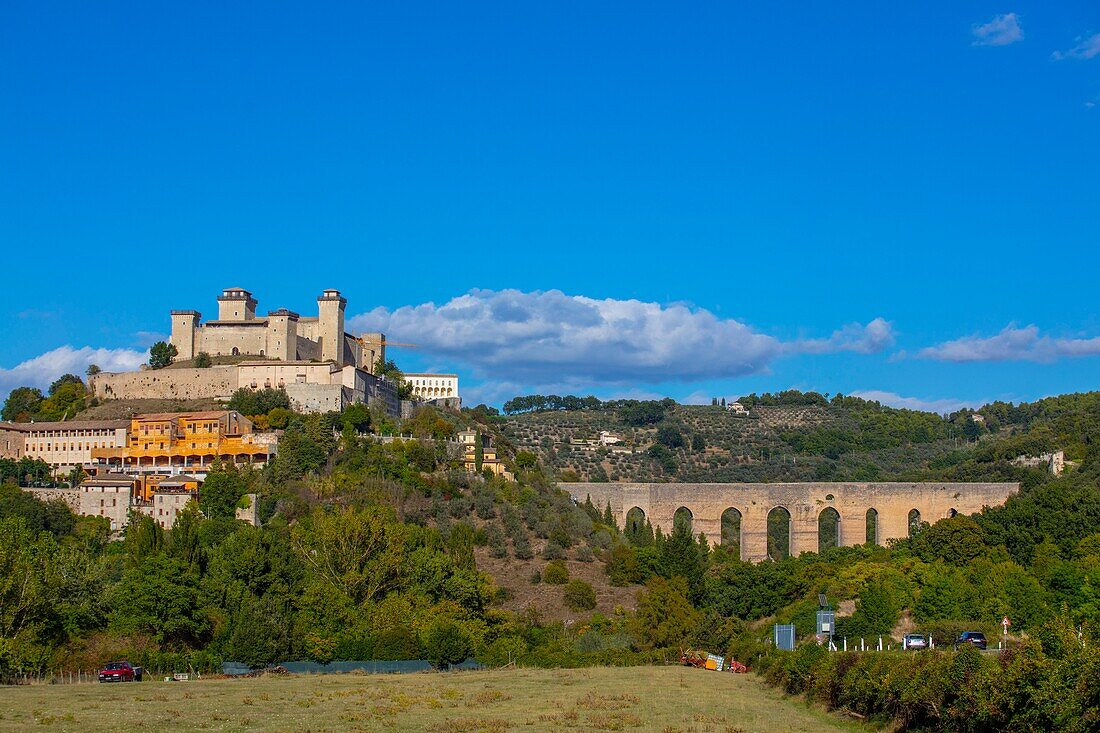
(804, 501)
(217, 382)
(71, 497)
(221, 340)
(317, 397)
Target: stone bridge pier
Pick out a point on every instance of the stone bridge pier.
(893, 507)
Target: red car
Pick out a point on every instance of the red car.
(119, 672)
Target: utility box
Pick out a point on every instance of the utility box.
(784, 637)
(826, 623)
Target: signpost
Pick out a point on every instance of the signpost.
(1005, 623)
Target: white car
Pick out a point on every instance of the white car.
(914, 641)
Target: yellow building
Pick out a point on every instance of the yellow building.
(468, 440)
(189, 442)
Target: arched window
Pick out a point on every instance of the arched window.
(731, 531)
(682, 518)
(871, 538)
(914, 521)
(828, 529)
(779, 533)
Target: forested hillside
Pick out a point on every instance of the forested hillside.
(793, 436)
(390, 550)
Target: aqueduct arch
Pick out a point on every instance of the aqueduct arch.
(889, 504)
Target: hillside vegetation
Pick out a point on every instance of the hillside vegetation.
(794, 436)
(389, 550)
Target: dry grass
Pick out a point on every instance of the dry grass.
(666, 699)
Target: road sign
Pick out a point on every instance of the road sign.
(1006, 623)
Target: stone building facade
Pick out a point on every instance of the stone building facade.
(111, 496)
(320, 366)
(11, 441)
(188, 442)
(282, 334)
(62, 445)
(433, 386)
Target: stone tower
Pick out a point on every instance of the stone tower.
(184, 326)
(330, 323)
(374, 348)
(236, 304)
(282, 335)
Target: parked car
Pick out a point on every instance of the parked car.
(120, 672)
(974, 638)
(914, 641)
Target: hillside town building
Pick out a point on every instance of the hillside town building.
(111, 496)
(428, 387)
(469, 442)
(62, 445)
(188, 442)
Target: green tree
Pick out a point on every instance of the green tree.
(22, 404)
(220, 493)
(670, 437)
(876, 610)
(358, 552)
(447, 642)
(622, 566)
(160, 597)
(67, 396)
(357, 416)
(555, 573)
(161, 354)
(203, 361)
(579, 595)
(664, 616)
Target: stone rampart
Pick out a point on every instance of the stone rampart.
(216, 382)
(71, 497)
(751, 504)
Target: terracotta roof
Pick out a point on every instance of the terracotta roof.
(180, 480)
(159, 416)
(28, 427)
(111, 478)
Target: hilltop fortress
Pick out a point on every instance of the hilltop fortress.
(319, 365)
(283, 334)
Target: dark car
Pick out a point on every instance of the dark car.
(974, 638)
(119, 672)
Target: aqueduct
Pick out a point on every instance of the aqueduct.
(893, 506)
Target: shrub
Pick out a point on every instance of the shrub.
(446, 643)
(579, 595)
(522, 548)
(553, 551)
(555, 573)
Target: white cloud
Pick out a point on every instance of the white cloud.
(1012, 344)
(148, 338)
(43, 369)
(1085, 49)
(939, 406)
(856, 337)
(1001, 31)
(547, 338)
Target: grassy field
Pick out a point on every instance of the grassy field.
(665, 699)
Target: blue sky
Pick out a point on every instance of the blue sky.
(869, 198)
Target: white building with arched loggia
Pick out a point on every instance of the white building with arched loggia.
(433, 386)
